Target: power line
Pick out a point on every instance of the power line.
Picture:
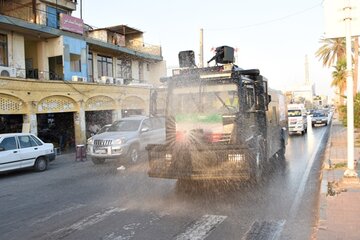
(268, 21)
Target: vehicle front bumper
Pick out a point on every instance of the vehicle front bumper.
(106, 151)
(319, 121)
(51, 156)
(199, 164)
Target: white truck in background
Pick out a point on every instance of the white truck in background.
(297, 118)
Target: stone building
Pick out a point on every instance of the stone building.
(58, 74)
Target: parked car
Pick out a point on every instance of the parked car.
(24, 150)
(319, 117)
(126, 137)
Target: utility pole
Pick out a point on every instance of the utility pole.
(81, 9)
(350, 172)
(201, 53)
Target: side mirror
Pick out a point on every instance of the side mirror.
(269, 98)
(144, 129)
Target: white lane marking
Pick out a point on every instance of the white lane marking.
(86, 222)
(130, 229)
(300, 191)
(58, 213)
(269, 230)
(201, 228)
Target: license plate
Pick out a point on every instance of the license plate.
(100, 151)
(318, 121)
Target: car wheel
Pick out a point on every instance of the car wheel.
(41, 164)
(133, 154)
(98, 160)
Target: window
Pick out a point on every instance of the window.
(90, 67)
(105, 66)
(38, 142)
(141, 71)
(9, 143)
(75, 63)
(3, 50)
(123, 68)
(146, 124)
(26, 141)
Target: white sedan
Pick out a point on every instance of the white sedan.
(24, 150)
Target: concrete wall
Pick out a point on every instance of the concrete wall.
(16, 53)
(155, 72)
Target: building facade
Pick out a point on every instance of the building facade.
(57, 74)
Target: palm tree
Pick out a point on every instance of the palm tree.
(339, 77)
(356, 65)
(332, 51)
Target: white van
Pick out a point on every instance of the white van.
(297, 118)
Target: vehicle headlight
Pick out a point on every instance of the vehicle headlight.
(90, 141)
(119, 141)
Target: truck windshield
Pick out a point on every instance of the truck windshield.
(125, 126)
(294, 113)
(206, 108)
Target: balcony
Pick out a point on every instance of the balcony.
(124, 36)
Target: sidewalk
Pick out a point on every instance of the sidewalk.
(339, 201)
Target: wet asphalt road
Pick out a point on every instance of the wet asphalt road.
(78, 200)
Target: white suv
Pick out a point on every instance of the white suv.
(23, 150)
(126, 137)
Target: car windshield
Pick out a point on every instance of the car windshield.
(125, 126)
(294, 113)
(318, 114)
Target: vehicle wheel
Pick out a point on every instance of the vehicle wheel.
(258, 162)
(98, 160)
(41, 164)
(133, 154)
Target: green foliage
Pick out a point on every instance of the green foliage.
(343, 112)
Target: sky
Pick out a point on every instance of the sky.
(272, 36)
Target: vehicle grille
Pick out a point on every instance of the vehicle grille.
(102, 142)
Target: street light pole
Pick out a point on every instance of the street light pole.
(350, 172)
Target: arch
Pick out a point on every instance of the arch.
(12, 105)
(100, 103)
(57, 103)
(133, 102)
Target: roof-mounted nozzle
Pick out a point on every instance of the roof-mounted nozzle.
(187, 59)
(223, 54)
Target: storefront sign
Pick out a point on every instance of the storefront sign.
(71, 24)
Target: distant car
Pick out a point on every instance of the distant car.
(126, 137)
(319, 117)
(24, 150)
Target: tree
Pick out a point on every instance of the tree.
(343, 112)
(339, 77)
(332, 50)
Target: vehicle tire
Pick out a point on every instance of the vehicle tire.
(41, 164)
(258, 162)
(98, 160)
(133, 154)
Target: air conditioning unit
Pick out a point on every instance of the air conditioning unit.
(107, 80)
(7, 71)
(78, 79)
(119, 81)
